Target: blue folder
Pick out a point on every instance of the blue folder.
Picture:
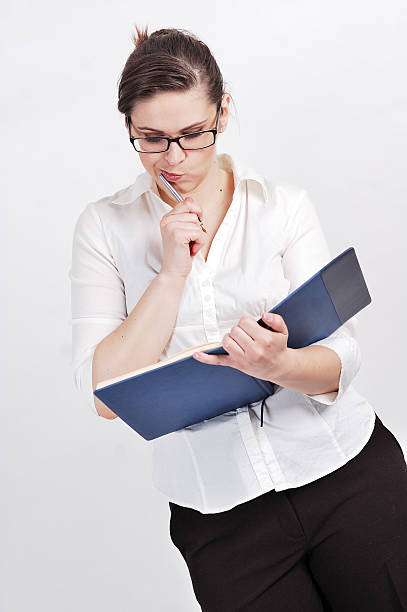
(179, 394)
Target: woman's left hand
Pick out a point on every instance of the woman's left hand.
(254, 350)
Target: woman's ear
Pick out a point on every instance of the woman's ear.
(224, 114)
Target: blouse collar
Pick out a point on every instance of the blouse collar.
(144, 181)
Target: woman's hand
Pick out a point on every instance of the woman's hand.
(182, 238)
(254, 350)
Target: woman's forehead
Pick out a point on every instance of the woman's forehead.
(165, 109)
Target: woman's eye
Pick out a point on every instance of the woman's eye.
(153, 139)
(191, 136)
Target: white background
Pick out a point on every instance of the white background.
(320, 102)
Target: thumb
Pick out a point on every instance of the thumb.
(275, 321)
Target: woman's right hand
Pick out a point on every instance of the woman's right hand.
(180, 227)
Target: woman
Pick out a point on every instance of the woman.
(309, 511)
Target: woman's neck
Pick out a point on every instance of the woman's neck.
(210, 194)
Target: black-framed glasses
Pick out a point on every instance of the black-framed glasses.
(188, 142)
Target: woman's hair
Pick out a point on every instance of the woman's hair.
(167, 60)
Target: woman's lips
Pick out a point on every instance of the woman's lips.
(171, 177)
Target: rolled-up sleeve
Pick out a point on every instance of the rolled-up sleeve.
(98, 302)
(306, 251)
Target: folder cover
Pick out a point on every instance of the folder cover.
(181, 391)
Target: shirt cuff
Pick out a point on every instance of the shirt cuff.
(82, 379)
(348, 351)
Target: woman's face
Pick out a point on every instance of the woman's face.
(174, 114)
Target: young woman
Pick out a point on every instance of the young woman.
(309, 511)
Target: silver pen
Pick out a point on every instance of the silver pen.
(177, 196)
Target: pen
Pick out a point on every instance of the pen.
(177, 196)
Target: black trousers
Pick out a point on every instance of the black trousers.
(337, 544)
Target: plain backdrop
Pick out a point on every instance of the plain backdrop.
(320, 94)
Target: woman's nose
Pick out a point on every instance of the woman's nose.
(175, 153)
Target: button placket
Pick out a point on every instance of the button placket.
(253, 449)
(208, 271)
(270, 458)
(209, 309)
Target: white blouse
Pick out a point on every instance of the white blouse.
(268, 244)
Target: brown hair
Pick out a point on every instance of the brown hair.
(167, 60)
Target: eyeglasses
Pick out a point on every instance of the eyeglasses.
(188, 142)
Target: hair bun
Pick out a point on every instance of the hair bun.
(140, 36)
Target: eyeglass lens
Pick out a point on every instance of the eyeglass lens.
(155, 144)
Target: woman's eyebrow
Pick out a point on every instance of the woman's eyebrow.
(189, 127)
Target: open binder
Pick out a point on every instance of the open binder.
(180, 391)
